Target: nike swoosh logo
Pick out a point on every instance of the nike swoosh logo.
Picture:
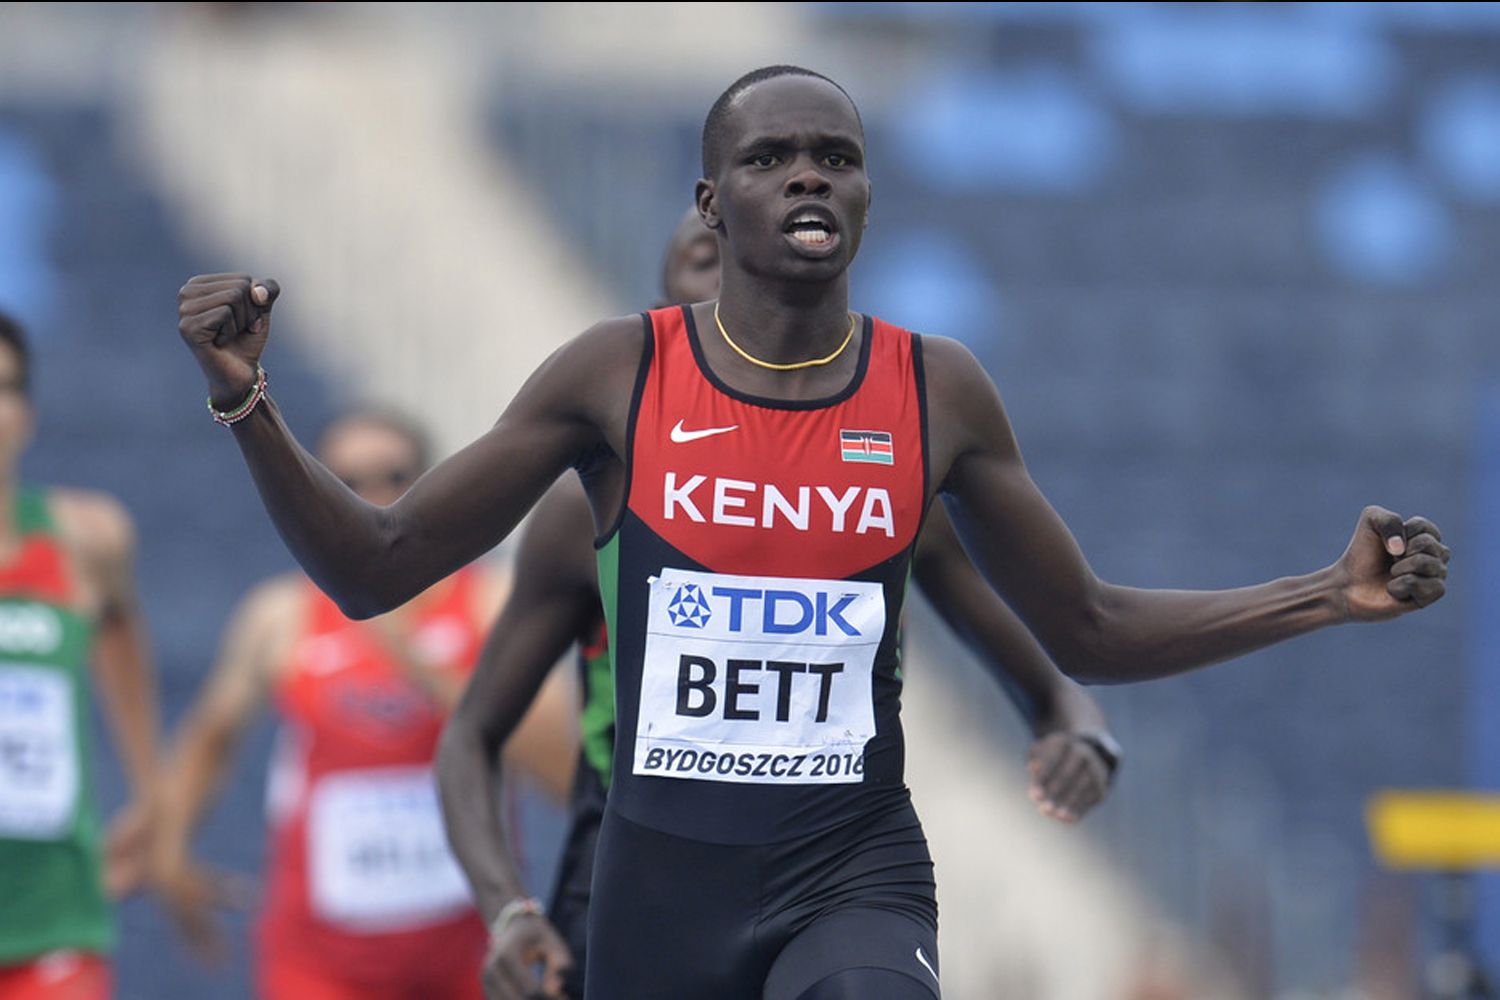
(680, 436)
(926, 964)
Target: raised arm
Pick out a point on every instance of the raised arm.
(555, 601)
(1074, 755)
(101, 534)
(370, 559)
(1105, 633)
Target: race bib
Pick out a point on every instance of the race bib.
(39, 776)
(763, 680)
(377, 853)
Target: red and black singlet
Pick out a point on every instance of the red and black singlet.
(753, 588)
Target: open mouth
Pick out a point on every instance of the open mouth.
(810, 230)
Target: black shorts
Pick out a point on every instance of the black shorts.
(679, 919)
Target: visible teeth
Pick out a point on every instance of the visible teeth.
(810, 230)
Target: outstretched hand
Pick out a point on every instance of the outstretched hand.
(225, 319)
(1392, 566)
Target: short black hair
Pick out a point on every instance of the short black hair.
(388, 417)
(14, 336)
(715, 126)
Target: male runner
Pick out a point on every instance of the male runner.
(70, 621)
(363, 898)
(556, 603)
(759, 468)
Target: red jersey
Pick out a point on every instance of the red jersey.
(360, 877)
(753, 588)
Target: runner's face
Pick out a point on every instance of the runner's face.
(16, 416)
(373, 460)
(792, 193)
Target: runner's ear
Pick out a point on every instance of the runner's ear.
(705, 197)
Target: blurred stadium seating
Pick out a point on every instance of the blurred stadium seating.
(1232, 266)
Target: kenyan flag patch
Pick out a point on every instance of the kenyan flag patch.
(867, 446)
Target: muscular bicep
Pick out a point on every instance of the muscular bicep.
(1093, 630)
(372, 559)
(569, 411)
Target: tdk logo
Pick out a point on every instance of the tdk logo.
(758, 678)
(689, 609)
(763, 611)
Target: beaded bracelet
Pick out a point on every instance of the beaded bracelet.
(234, 416)
(510, 911)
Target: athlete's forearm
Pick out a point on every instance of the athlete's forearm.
(373, 559)
(1070, 709)
(1098, 632)
(338, 538)
(513, 663)
(469, 776)
(1135, 635)
(545, 744)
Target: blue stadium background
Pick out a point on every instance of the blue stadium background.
(1233, 267)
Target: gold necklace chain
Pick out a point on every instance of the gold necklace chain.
(814, 363)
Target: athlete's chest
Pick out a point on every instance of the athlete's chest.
(822, 488)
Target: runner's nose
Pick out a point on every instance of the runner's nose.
(807, 179)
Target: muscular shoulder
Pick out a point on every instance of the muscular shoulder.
(584, 388)
(950, 366)
(622, 334)
(965, 414)
(605, 356)
(958, 387)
